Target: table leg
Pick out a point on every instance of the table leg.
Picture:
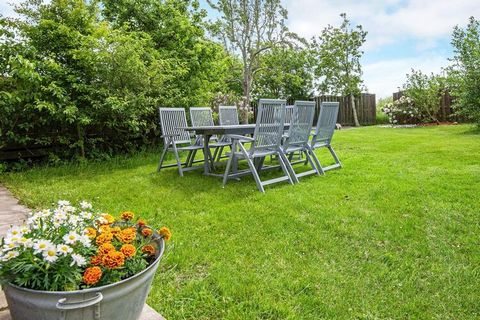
(206, 153)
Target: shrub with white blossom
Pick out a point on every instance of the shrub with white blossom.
(401, 111)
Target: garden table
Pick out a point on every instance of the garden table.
(208, 131)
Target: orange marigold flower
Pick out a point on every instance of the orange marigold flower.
(149, 249)
(96, 260)
(128, 250)
(92, 275)
(109, 219)
(104, 238)
(127, 235)
(90, 232)
(141, 222)
(165, 233)
(127, 215)
(104, 228)
(115, 230)
(105, 248)
(147, 232)
(113, 259)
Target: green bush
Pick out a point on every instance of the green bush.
(464, 74)
(87, 87)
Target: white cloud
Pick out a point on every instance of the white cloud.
(423, 23)
(386, 21)
(385, 76)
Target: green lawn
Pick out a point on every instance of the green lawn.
(395, 234)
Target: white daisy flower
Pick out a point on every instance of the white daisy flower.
(64, 249)
(69, 209)
(25, 229)
(26, 242)
(10, 246)
(12, 239)
(74, 220)
(10, 255)
(14, 231)
(50, 254)
(78, 260)
(41, 245)
(85, 205)
(62, 203)
(102, 220)
(71, 237)
(86, 215)
(85, 240)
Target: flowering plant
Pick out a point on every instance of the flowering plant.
(71, 248)
(401, 111)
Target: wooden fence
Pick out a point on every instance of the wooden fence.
(445, 111)
(365, 104)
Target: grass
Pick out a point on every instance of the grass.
(395, 234)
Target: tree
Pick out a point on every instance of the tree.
(337, 51)
(464, 74)
(285, 72)
(425, 92)
(177, 29)
(249, 28)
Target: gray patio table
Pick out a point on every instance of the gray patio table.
(208, 132)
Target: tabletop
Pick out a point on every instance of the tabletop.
(219, 130)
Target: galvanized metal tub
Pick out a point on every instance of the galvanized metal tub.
(123, 300)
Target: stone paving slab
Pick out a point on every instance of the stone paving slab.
(11, 212)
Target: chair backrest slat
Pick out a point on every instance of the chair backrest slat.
(228, 116)
(327, 120)
(201, 117)
(301, 123)
(171, 119)
(269, 126)
(288, 114)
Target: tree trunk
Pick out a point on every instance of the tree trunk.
(246, 86)
(354, 109)
(81, 140)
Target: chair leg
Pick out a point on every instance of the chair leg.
(334, 155)
(255, 175)
(310, 161)
(227, 169)
(189, 157)
(316, 161)
(219, 154)
(189, 163)
(179, 164)
(288, 165)
(284, 168)
(162, 157)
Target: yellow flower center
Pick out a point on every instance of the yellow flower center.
(71, 237)
(51, 253)
(42, 245)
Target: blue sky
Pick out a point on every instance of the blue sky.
(401, 34)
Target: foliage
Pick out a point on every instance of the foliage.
(177, 29)
(464, 74)
(357, 243)
(285, 72)
(425, 92)
(56, 247)
(381, 117)
(90, 87)
(337, 53)
(249, 28)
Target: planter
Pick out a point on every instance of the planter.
(123, 300)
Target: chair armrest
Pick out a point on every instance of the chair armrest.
(170, 135)
(239, 137)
